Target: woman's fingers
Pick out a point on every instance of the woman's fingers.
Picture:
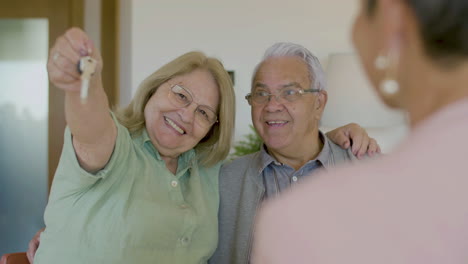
(79, 41)
(62, 79)
(33, 245)
(64, 64)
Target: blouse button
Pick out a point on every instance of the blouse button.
(174, 184)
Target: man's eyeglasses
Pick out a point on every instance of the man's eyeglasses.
(181, 97)
(289, 94)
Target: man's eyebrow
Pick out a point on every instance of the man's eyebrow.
(261, 85)
(291, 84)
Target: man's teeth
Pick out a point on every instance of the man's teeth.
(276, 122)
(172, 124)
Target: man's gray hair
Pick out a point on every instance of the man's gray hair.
(282, 49)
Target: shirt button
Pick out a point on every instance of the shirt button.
(294, 178)
(174, 184)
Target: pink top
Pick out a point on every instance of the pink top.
(407, 207)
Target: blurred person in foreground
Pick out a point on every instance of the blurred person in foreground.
(410, 206)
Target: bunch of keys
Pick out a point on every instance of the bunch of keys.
(86, 68)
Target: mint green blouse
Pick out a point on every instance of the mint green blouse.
(132, 211)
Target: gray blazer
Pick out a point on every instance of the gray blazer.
(241, 191)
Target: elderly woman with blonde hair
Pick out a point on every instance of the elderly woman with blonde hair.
(140, 185)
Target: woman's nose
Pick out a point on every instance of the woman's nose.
(188, 113)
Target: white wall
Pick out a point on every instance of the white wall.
(237, 32)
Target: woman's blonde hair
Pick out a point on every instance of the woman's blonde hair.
(215, 146)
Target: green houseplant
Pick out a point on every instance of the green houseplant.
(251, 143)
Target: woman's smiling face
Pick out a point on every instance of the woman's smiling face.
(174, 130)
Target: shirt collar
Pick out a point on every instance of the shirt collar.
(323, 157)
(185, 160)
(265, 159)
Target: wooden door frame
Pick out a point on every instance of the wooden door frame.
(109, 49)
(61, 14)
(57, 96)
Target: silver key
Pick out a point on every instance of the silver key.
(87, 67)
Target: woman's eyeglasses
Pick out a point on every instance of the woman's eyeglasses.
(181, 97)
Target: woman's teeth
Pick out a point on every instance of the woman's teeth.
(176, 127)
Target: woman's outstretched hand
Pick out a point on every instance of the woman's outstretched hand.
(64, 56)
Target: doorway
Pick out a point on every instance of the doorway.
(32, 110)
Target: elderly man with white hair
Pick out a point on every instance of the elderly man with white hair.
(287, 99)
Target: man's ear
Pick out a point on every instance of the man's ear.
(321, 100)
